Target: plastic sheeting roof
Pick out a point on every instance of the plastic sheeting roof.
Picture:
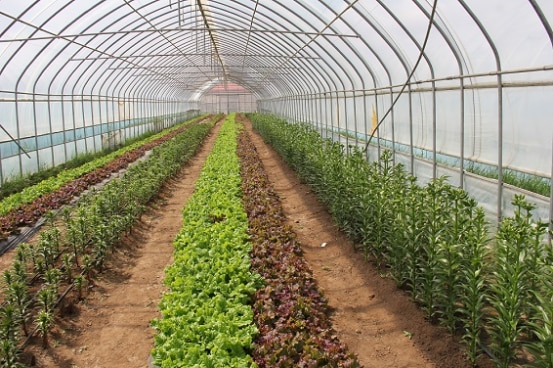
(179, 49)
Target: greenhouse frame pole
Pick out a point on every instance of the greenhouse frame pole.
(83, 114)
(499, 110)
(1, 170)
(551, 198)
(355, 117)
(35, 127)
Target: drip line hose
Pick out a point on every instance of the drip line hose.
(421, 53)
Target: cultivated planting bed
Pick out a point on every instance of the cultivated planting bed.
(26, 207)
(207, 315)
(71, 251)
(495, 292)
(206, 319)
(291, 313)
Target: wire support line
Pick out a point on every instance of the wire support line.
(212, 37)
(312, 39)
(234, 54)
(407, 82)
(169, 30)
(15, 141)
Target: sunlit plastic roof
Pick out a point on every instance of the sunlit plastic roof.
(175, 49)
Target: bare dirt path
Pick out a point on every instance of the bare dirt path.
(375, 319)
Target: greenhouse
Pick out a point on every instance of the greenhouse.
(423, 128)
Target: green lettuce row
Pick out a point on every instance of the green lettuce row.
(207, 320)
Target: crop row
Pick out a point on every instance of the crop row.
(207, 320)
(26, 207)
(18, 183)
(72, 249)
(290, 311)
(433, 240)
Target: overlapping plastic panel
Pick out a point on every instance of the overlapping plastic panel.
(470, 81)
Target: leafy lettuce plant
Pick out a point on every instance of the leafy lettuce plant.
(207, 320)
(291, 313)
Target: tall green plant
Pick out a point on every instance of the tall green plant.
(18, 296)
(436, 215)
(409, 238)
(542, 328)
(9, 337)
(513, 282)
(463, 228)
(44, 321)
(473, 282)
(389, 183)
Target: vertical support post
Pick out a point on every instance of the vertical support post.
(74, 116)
(346, 121)
(500, 149)
(321, 114)
(337, 116)
(411, 135)
(35, 123)
(355, 118)
(52, 160)
(462, 131)
(434, 133)
(365, 132)
(551, 198)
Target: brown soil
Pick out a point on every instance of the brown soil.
(378, 322)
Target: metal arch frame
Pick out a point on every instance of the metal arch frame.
(97, 69)
(296, 61)
(495, 53)
(36, 29)
(346, 59)
(461, 64)
(121, 74)
(370, 70)
(16, 20)
(549, 31)
(292, 45)
(331, 80)
(110, 65)
(289, 80)
(64, 84)
(125, 75)
(284, 88)
(433, 76)
(242, 83)
(404, 64)
(334, 81)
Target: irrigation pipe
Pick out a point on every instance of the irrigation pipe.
(421, 53)
(60, 299)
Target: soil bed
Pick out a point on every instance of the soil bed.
(377, 321)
